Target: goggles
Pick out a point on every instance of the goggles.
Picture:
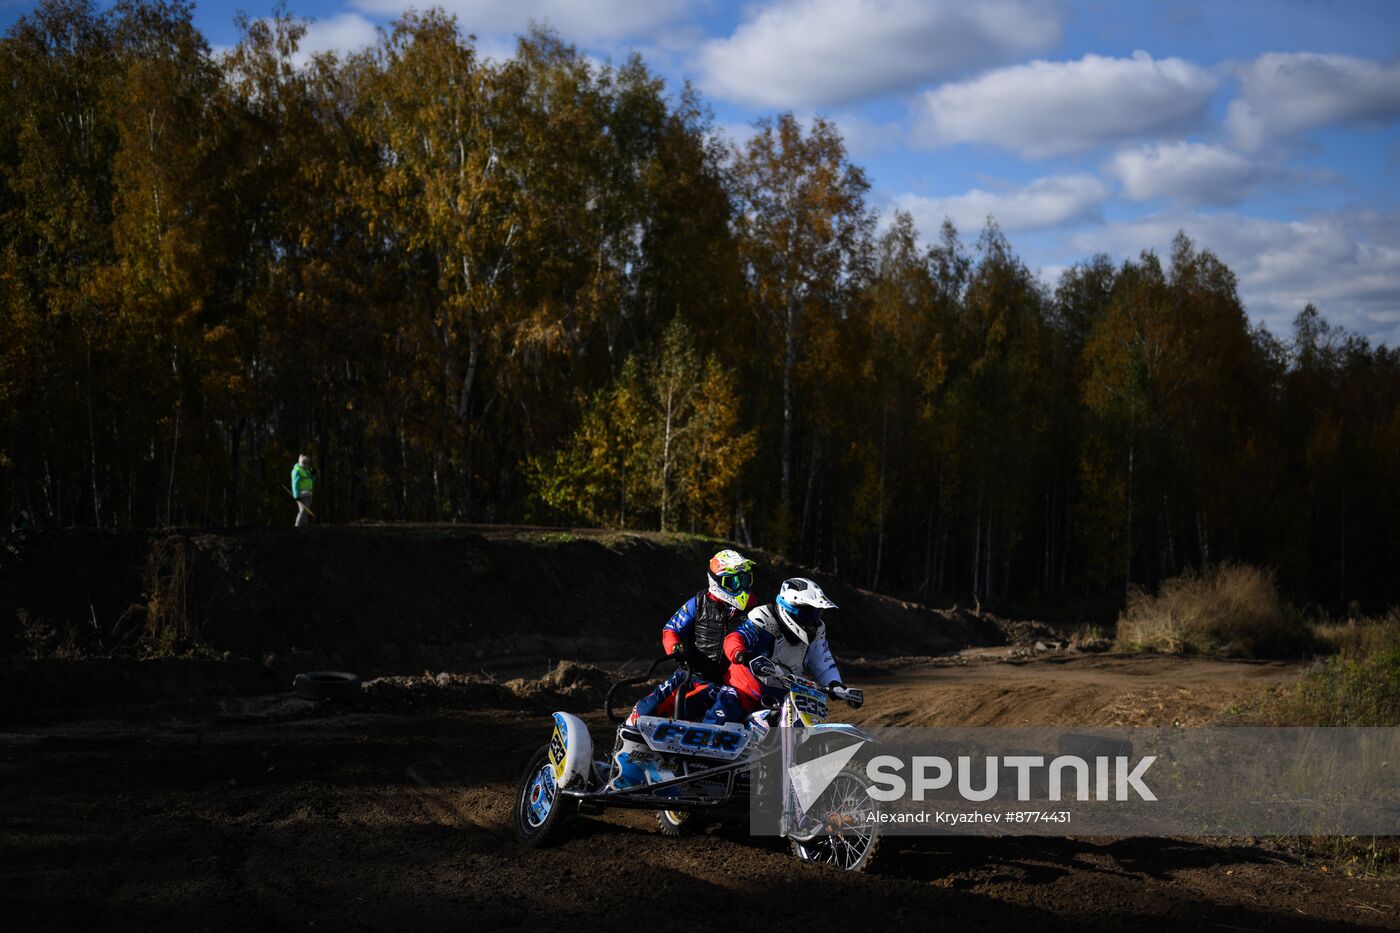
(806, 616)
(736, 581)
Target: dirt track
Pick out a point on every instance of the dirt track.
(285, 816)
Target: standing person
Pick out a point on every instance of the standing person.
(303, 479)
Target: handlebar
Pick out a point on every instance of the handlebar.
(767, 671)
(631, 682)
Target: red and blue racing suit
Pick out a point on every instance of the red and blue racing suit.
(701, 626)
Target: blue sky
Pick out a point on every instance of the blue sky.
(1269, 131)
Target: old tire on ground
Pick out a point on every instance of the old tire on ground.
(326, 685)
(541, 812)
(677, 823)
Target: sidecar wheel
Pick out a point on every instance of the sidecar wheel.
(676, 823)
(541, 812)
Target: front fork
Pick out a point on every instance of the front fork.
(794, 821)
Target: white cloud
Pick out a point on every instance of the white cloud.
(575, 20)
(1051, 108)
(806, 53)
(344, 33)
(1348, 264)
(1056, 201)
(1285, 94)
(1194, 173)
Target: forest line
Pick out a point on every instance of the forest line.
(545, 290)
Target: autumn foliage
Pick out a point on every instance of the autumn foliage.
(545, 290)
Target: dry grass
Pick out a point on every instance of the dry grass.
(1230, 609)
(1091, 638)
(1361, 637)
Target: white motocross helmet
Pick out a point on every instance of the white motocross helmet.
(800, 603)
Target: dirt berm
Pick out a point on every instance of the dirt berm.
(379, 599)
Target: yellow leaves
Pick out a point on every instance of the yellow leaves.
(665, 431)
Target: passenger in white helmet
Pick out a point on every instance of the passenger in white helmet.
(790, 631)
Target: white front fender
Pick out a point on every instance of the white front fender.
(571, 751)
(840, 728)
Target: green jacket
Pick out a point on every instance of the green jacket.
(302, 480)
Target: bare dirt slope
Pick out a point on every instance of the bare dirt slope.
(376, 599)
(394, 814)
(1070, 690)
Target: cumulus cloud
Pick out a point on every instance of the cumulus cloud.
(1051, 108)
(1056, 201)
(344, 34)
(576, 20)
(1194, 173)
(1282, 95)
(804, 53)
(1346, 263)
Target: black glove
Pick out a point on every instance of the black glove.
(678, 650)
(742, 657)
(762, 666)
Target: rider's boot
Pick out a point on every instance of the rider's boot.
(633, 761)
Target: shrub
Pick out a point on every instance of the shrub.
(1229, 609)
(1347, 691)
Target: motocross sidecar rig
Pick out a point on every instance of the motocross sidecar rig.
(695, 767)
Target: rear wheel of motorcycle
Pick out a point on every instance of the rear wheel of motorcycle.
(541, 812)
(676, 823)
(854, 848)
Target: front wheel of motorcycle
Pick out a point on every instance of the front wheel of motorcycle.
(850, 835)
(541, 812)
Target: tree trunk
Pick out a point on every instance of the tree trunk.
(811, 485)
(789, 371)
(987, 557)
(666, 456)
(1128, 545)
(1342, 577)
(977, 550)
(1171, 538)
(174, 452)
(92, 443)
(880, 511)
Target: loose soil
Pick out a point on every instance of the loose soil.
(394, 813)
